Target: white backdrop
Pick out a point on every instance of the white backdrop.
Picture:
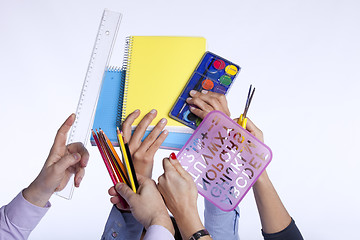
(303, 57)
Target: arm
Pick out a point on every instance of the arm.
(142, 151)
(180, 194)
(221, 224)
(273, 214)
(143, 158)
(22, 214)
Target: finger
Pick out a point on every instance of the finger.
(67, 161)
(154, 134)
(126, 125)
(141, 128)
(170, 167)
(80, 173)
(198, 102)
(112, 191)
(177, 166)
(156, 145)
(80, 148)
(216, 100)
(167, 166)
(61, 135)
(211, 98)
(199, 112)
(126, 192)
(254, 130)
(115, 200)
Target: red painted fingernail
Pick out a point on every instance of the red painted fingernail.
(173, 156)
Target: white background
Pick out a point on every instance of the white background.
(303, 57)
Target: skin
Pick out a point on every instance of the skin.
(207, 102)
(147, 205)
(63, 161)
(143, 152)
(182, 199)
(273, 215)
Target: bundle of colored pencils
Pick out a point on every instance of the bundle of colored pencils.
(120, 170)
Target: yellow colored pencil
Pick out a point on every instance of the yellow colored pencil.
(126, 160)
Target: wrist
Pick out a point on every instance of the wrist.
(199, 234)
(35, 195)
(164, 221)
(189, 224)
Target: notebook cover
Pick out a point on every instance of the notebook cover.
(157, 69)
(107, 108)
(224, 160)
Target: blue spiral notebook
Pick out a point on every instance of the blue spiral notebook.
(109, 112)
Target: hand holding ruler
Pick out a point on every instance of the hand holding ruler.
(80, 131)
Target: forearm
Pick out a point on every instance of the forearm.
(189, 223)
(273, 214)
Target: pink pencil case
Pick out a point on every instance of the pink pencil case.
(224, 160)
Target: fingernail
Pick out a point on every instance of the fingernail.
(188, 99)
(137, 110)
(204, 91)
(173, 156)
(165, 131)
(163, 120)
(76, 156)
(153, 111)
(192, 92)
(118, 186)
(79, 181)
(191, 108)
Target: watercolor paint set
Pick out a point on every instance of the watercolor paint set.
(213, 73)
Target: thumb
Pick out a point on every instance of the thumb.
(126, 192)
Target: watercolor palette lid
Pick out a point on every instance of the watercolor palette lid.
(224, 160)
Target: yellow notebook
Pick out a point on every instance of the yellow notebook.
(157, 69)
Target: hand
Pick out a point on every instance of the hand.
(180, 194)
(62, 162)
(207, 102)
(147, 205)
(254, 130)
(143, 152)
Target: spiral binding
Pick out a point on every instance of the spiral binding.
(124, 81)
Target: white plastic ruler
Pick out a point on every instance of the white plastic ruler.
(105, 40)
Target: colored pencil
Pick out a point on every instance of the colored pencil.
(131, 165)
(104, 157)
(108, 156)
(116, 160)
(126, 160)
